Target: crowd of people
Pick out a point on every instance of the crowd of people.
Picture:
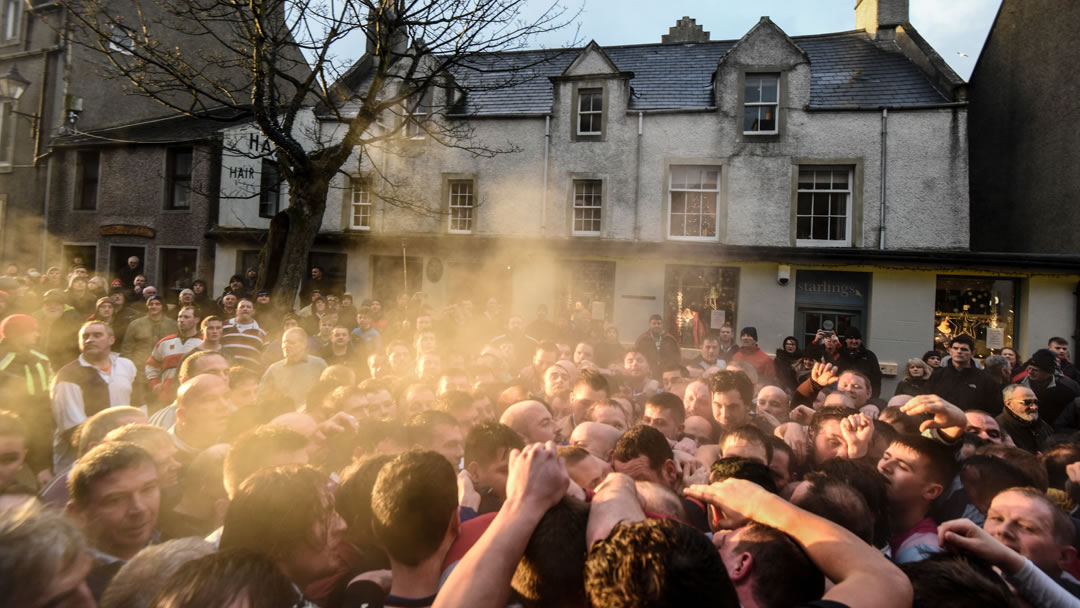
(226, 452)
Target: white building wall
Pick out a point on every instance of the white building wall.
(1050, 311)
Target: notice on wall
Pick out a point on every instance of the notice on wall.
(599, 310)
(995, 337)
(717, 318)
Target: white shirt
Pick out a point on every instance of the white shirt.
(67, 401)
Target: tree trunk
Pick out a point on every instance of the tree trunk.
(283, 261)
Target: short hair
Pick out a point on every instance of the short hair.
(995, 363)
(572, 454)
(275, 510)
(860, 376)
(832, 412)
(784, 574)
(643, 440)
(951, 580)
(99, 462)
(108, 328)
(751, 434)
(146, 574)
(995, 475)
(239, 375)
(36, 545)
(594, 380)
(191, 360)
(655, 317)
(219, 579)
(865, 478)
(412, 505)
(941, 459)
(742, 468)
(727, 380)
(669, 402)
(839, 503)
(453, 401)
(546, 346)
(11, 424)
(962, 339)
(208, 319)
(1006, 393)
(1055, 459)
(353, 495)
(251, 450)
(656, 562)
(145, 436)
(1057, 340)
(421, 428)
(548, 574)
(486, 439)
(93, 430)
(1026, 461)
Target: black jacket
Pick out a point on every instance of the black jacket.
(1028, 436)
(1053, 399)
(967, 389)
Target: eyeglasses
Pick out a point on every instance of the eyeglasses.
(1027, 402)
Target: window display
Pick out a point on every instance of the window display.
(983, 308)
(698, 299)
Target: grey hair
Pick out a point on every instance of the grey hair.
(146, 574)
(1007, 392)
(995, 363)
(36, 545)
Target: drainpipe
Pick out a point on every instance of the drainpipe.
(543, 193)
(884, 173)
(637, 173)
(45, 213)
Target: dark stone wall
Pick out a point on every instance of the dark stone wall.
(1024, 131)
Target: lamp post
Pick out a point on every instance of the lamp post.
(12, 86)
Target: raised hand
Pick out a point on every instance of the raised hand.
(858, 431)
(537, 477)
(824, 374)
(946, 417)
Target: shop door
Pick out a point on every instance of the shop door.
(809, 321)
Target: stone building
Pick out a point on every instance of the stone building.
(786, 183)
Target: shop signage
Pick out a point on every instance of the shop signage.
(126, 230)
(847, 289)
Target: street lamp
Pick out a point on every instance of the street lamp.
(12, 85)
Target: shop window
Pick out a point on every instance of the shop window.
(983, 308)
(586, 285)
(698, 299)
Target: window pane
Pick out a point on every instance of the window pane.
(708, 203)
(180, 195)
(678, 224)
(840, 180)
(819, 228)
(710, 179)
(768, 118)
(837, 226)
(769, 86)
(708, 225)
(802, 228)
(838, 204)
(821, 204)
(750, 119)
(805, 204)
(753, 89)
(182, 163)
(693, 203)
(678, 202)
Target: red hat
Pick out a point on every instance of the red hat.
(17, 325)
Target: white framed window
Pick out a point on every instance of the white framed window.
(361, 204)
(12, 20)
(823, 206)
(590, 118)
(694, 196)
(588, 204)
(416, 114)
(462, 201)
(761, 103)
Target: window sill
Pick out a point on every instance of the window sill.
(459, 232)
(360, 228)
(832, 244)
(176, 211)
(756, 133)
(695, 239)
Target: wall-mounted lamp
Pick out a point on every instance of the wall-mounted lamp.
(12, 86)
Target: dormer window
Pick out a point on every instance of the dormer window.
(590, 108)
(761, 104)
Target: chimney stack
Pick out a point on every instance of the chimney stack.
(685, 30)
(872, 15)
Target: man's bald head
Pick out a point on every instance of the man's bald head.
(203, 407)
(531, 420)
(597, 438)
(699, 429)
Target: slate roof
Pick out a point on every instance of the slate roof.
(162, 131)
(847, 69)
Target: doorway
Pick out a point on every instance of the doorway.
(76, 253)
(118, 264)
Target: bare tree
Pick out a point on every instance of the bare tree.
(272, 60)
